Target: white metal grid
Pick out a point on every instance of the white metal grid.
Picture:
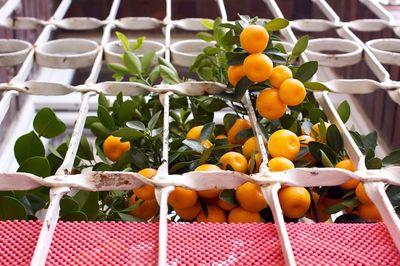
(62, 182)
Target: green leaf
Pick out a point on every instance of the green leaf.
(118, 68)
(126, 111)
(235, 58)
(162, 61)
(168, 75)
(47, 124)
(154, 74)
(37, 165)
(136, 125)
(370, 141)
(334, 138)
(205, 36)
(99, 130)
(316, 86)
(153, 121)
(132, 62)
(103, 101)
(316, 115)
(85, 150)
(393, 192)
(206, 154)
(229, 121)
(138, 43)
(299, 47)
(129, 218)
(316, 148)
(208, 23)
(325, 160)
(105, 117)
(344, 111)
(27, 146)
(124, 40)
(306, 71)
(392, 158)
(241, 88)
(127, 134)
(11, 209)
(88, 203)
(68, 205)
(194, 145)
(212, 104)
(207, 131)
(244, 134)
(74, 216)
(374, 163)
(147, 60)
(276, 24)
(228, 195)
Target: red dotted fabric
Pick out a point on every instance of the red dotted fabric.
(111, 243)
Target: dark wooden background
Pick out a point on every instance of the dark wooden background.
(380, 109)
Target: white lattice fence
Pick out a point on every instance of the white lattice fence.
(50, 53)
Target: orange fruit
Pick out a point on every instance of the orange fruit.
(146, 192)
(277, 164)
(250, 197)
(257, 67)
(284, 143)
(369, 212)
(315, 128)
(189, 213)
(225, 205)
(240, 215)
(257, 159)
(304, 140)
(254, 39)
(249, 147)
(362, 195)
(295, 201)
(292, 92)
(113, 148)
(194, 134)
(221, 137)
(235, 73)
(235, 160)
(279, 75)
(269, 105)
(146, 210)
(209, 193)
(348, 165)
(239, 125)
(215, 215)
(182, 198)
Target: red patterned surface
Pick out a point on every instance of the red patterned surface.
(193, 244)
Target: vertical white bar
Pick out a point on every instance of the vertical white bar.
(49, 225)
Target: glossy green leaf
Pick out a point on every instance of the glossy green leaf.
(37, 165)
(194, 145)
(344, 111)
(241, 88)
(276, 24)
(146, 60)
(154, 120)
(207, 131)
(88, 203)
(138, 43)
(99, 130)
(316, 86)
(299, 47)
(85, 150)
(168, 75)
(11, 209)
(47, 124)
(118, 68)
(205, 36)
(306, 71)
(228, 195)
(74, 216)
(334, 138)
(207, 23)
(374, 163)
(27, 146)
(124, 40)
(132, 62)
(68, 205)
(392, 158)
(105, 117)
(127, 134)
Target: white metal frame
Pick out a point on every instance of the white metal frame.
(63, 182)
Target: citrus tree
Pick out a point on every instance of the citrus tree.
(126, 135)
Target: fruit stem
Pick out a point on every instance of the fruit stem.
(314, 207)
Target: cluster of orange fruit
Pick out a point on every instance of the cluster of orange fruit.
(258, 67)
